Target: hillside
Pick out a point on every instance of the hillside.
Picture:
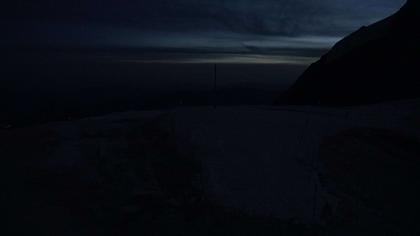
(374, 64)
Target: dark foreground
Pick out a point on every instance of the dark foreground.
(224, 171)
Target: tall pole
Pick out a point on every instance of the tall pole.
(215, 86)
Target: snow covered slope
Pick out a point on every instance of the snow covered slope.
(263, 161)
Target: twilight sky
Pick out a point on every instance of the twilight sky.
(288, 28)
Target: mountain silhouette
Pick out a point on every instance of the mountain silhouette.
(374, 64)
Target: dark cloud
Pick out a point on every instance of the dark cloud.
(203, 23)
(263, 16)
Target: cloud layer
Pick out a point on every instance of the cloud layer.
(219, 25)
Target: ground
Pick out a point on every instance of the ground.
(240, 170)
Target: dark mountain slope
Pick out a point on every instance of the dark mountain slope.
(374, 64)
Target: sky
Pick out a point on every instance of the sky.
(296, 30)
